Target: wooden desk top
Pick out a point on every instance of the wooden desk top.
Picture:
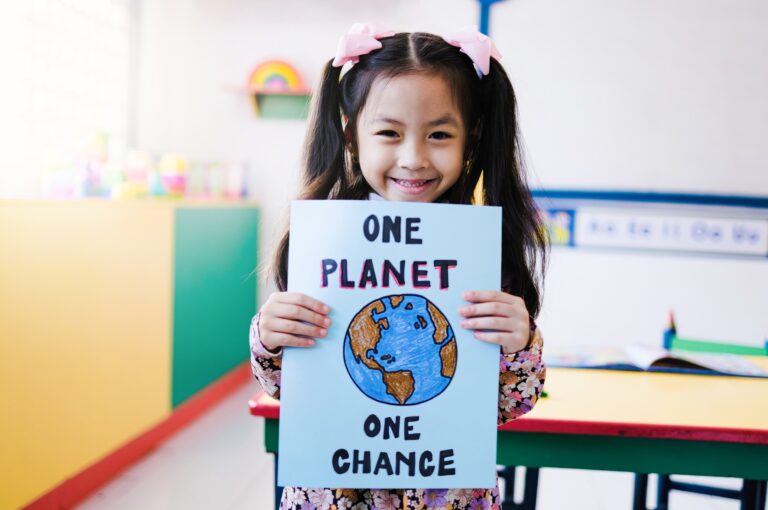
(637, 404)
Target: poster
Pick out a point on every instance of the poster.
(398, 394)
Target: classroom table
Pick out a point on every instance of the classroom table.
(637, 422)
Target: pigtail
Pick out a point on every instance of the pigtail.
(504, 184)
(324, 146)
(325, 171)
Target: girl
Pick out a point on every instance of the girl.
(418, 117)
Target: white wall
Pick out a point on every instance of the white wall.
(641, 94)
(612, 94)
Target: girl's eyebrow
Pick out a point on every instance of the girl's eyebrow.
(445, 119)
(388, 120)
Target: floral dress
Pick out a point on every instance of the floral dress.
(521, 379)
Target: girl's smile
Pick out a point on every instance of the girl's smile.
(413, 186)
(411, 138)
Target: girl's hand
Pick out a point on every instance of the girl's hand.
(498, 318)
(291, 318)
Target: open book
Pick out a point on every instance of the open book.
(640, 357)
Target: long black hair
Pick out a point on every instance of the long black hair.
(489, 113)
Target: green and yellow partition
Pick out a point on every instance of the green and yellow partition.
(112, 315)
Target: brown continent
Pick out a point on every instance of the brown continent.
(441, 323)
(399, 384)
(364, 333)
(448, 356)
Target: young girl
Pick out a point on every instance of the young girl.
(418, 117)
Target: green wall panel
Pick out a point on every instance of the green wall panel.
(214, 294)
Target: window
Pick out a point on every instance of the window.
(67, 79)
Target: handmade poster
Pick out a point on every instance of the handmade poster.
(398, 395)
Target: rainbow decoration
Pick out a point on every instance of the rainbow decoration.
(276, 76)
(278, 91)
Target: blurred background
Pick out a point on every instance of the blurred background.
(150, 148)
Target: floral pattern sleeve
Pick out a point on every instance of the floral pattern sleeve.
(265, 365)
(521, 379)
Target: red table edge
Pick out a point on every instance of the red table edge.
(271, 410)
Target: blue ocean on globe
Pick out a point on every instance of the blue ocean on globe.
(400, 350)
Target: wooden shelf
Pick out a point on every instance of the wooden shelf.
(281, 105)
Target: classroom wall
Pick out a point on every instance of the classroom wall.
(612, 95)
(641, 94)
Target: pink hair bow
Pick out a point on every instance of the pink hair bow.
(476, 45)
(361, 39)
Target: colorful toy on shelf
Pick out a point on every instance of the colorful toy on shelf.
(173, 173)
(278, 91)
(95, 172)
(136, 170)
(89, 166)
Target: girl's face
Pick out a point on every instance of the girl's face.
(410, 138)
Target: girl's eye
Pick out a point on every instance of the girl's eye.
(441, 135)
(388, 133)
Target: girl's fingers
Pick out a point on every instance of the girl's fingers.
(480, 296)
(292, 319)
(491, 323)
(299, 313)
(492, 308)
(297, 298)
(284, 340)
(491, 337)
(292, 327)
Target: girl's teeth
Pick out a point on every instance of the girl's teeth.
(414, 184)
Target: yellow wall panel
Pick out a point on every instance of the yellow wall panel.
(85, 334)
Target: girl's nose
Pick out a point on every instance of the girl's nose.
(412, 156)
